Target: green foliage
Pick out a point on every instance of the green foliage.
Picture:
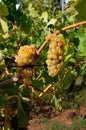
(22, 117)
(2, 101)
(82, 39)
(58, 125)
(80, 7)
(30, 25)
(78, 124)
(67, 80)
(4, 9)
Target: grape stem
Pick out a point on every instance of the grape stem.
(60, 31)
(7, 71)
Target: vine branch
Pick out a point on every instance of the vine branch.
(44, 91)
(8, 81)
(77, 65)
(60, 31)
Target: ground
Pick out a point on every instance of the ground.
(47, 118)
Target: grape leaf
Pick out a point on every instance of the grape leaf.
(44, 16)
(69, 52)
(67, 80)
(82, 48)
(48, 79)
(81, 35)
(57, 102)
(32, 11)
(82, 43)
(37, 84)
(4, 25)
(81, 8)
(10, 90)
(3, 9)
(22, 117)
(6, 35)
(26, 24)
(51, 22)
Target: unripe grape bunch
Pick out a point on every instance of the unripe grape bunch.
(55, 57)
(26, 55)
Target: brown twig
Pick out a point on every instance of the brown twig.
(42, 46)
(43, 92)
(46, 89)
(69, 27)
(60, 31)
(77, 65)
(7, 72)
(8, 81)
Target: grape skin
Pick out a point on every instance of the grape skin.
(55, 57)
(26, 55)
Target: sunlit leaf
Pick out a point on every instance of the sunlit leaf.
(32, 11)
(81, 35)
(82, 42)
(51, 22)
(44, 16)
(4, 25)
(69, 52)
(57, 102)
(70, 11)
(74, 3)
(82, 48)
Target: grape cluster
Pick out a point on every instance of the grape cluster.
(55, 58)
(25, 75)
(26, 55)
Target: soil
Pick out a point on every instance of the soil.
(43, 118)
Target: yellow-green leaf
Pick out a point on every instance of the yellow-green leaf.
(6, 35)
(4, 25)
(51, 22)
(32, 11)
(44, 16)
